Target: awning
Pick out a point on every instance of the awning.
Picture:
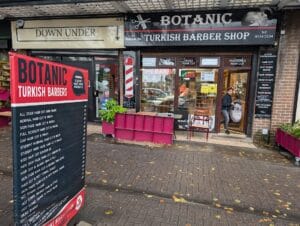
(56, 8)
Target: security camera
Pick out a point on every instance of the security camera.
(20, 23)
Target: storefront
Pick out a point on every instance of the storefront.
(187, 61)
(87, 43)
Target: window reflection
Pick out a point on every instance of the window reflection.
(158, 90)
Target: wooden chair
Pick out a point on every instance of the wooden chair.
(199, 122)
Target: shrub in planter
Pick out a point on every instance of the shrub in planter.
(288, 137)
(108, 116)
(292, 129)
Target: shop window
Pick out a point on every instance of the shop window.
(157, 93)
(198, 91)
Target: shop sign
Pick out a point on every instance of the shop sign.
(265, 84)
(149, 62)
(166, 61)
(104, 33)
(188, 61)
(207, 28)
(209, 61)
(49, 111)
(237, 61)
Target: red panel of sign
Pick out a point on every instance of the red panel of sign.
(36, 80)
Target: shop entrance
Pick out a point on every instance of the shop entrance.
(238, 80)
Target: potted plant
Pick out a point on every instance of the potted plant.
(288, 137)
(108, 116)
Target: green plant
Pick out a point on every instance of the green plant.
(293, 129)
(112, 108)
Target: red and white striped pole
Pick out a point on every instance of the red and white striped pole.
(129, 77)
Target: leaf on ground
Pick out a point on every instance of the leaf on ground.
(251, 208)
(108, 212)
(104, 181)
(237, 201)
(161, 201)
(218, 205)
(213, 169)
(265, 213)
(228, 208)
(229, 212)
(215, 199)
(277, 193)
(277, 211)
(218, 216)
(88, 173)
(180, 199)
(149, 196)
(265, 220)
(152, 162)
(188, 225)
(117, 190)
(11, 201)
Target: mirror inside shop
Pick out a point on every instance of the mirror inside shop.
(196, 88)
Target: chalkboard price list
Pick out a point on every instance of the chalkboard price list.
(50, 154)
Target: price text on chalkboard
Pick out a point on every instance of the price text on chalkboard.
(265, 83)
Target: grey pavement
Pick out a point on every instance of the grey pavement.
(184, 184)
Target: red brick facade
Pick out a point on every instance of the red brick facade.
(286, 75)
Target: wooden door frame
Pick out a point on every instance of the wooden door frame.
(240, 70)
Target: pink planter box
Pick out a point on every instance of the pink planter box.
(289, 142)
(4, 121)
(124, 134)
(108, 128)
(146, 128)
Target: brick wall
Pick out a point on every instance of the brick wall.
(286, 76)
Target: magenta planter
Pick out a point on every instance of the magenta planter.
(144, 128)
(108, 128)
(288, 142)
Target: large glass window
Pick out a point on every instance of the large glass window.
(198, 91)
(157, 93)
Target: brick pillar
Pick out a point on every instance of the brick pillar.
(286, 77)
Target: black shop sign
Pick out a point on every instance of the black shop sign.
(201, 28)
(265, 84)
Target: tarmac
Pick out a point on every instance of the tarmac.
(188, 183)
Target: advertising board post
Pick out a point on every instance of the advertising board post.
(49, 112)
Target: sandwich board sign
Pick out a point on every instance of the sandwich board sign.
(49, 114)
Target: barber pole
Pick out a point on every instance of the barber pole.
(129, 77)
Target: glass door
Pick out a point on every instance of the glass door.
(238, 80)
(106, 82)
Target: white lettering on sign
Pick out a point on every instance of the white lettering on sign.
(236, 35)
(209, 18)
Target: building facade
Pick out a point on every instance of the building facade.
(155, 60)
